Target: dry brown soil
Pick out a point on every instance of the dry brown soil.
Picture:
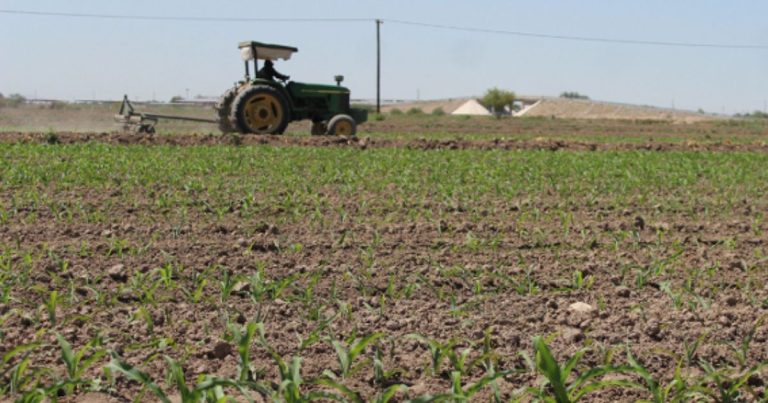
(436, 255)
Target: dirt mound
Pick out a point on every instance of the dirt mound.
(571, 109)
(586, 109)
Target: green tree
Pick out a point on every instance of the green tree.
(496, 99)
(176, 98)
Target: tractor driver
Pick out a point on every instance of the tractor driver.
(268, 72)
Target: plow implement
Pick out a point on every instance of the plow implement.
(140, 122)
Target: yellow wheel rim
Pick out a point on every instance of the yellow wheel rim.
(263, 113)
(344, 128)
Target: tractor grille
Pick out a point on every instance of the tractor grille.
(344, 101)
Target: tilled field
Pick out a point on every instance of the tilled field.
(363, 142)
(424, 268)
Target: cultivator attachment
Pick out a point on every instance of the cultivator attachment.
(133, 121)
(139, 122)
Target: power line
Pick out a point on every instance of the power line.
(578, 38)
(186, 19)
(396, 21)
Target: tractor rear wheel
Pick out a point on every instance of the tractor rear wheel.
(342, 125)
(223, 108)
(260, 109)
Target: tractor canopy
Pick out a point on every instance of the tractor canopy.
(250, 50)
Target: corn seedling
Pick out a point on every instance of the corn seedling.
(50, 306)
(290, 385)
(347, 352)
(76, 361)
(436, 350)
(460, 393)
(740, 351)
(315, 334)
(243, 338)
(580, 281)
(136, 375)
(676, 391)
(389, 393)
(729, 385)
(227, 283)
(559, 387)
(460, 359)
(208, 389)
(382, 376)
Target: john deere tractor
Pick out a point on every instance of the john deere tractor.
(262, 105)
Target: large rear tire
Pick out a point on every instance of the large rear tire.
(223, 108)
(260, 109)
(342, 125)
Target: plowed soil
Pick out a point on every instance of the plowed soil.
(661, 272)
(368, 142)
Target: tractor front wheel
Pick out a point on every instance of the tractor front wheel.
(342, 125)
(260, 109)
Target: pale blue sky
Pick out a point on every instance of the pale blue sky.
(74, 58)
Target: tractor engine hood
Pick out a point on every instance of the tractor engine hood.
(305, 89)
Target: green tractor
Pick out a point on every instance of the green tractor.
(263, 105)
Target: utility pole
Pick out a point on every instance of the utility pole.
(378, 66)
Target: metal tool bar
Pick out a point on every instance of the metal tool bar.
(141, 122)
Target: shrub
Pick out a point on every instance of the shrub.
(378, 117)
(438, 111)
(12, 100)
(395, 111)
(51, 137)
(415, 111)
(753, 115)
(57, 105)
(573, 95)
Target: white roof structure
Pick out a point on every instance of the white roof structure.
(472, 107)
(263, 51)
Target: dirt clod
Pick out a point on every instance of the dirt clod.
(221, 350)
(581, 308)
(623, 292)
(118, 273)
(739, 264)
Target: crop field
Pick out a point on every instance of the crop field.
(432, 259)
